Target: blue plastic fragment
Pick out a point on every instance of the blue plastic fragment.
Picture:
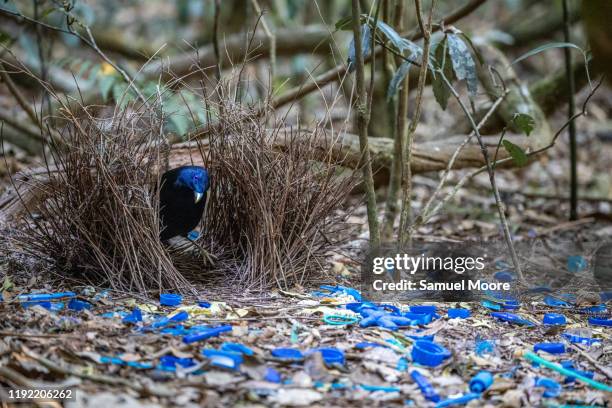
(373, 388)
(206, 334)
(552, 388)
(383, 319)
(170, 299)
(504, 276)
(41, 297)
(331, 355)
(563, 300)
(79, 305)
(56, 306)
(287, 353)
(166, 321)
(402, 364)
(459, 313)
(551, 348)
(357, 307)
(119, 361)
(428, 353)
(203, 303)
(134, 317)
(169, 362)
(600, 321)
(272, 375)
(45, 304)
(419, 318)
(576, 263)
(428, 391)
(605, 296)
(428, 337)
(491, 305)
(223, 359)
(569, 365)
(193, 235)
(367, 344)
(481, 381)
(554, 319)
(237, 348)
(511, 318)
(593, 310)
(462, 400)
(424, 309)
(484, 347)
(575, 338)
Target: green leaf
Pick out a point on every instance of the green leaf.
(524, 122)
(463, 63)
(518, 155)
(7, 284)
(4, 37)
(397, 79)
(344, 23)
(442, 63)
(545, 47)
(475, 51)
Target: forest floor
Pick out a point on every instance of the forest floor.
(106, 360)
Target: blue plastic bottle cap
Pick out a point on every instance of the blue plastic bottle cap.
(288, 353)
(224, 359)
(481, 381)
(423, 309)
(459, 313)
(556, 319)
(428, 353)
(551, 348)
(553, 388)
(600, 321)
(170, 299)
(330, 355)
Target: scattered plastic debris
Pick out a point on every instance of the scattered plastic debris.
(288, 354)
(428, 353)
(550, 348)
(554, 319)
(459, 313)
(170, 299)
(481, 381)
(206, 334)
(425, 386)
(552, 389)
(511, 318)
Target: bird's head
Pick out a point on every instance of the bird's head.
(194, 178)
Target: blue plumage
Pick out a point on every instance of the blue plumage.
(182, 200)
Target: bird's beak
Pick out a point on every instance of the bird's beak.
(198, 196)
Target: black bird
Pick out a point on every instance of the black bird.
(182, 198)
